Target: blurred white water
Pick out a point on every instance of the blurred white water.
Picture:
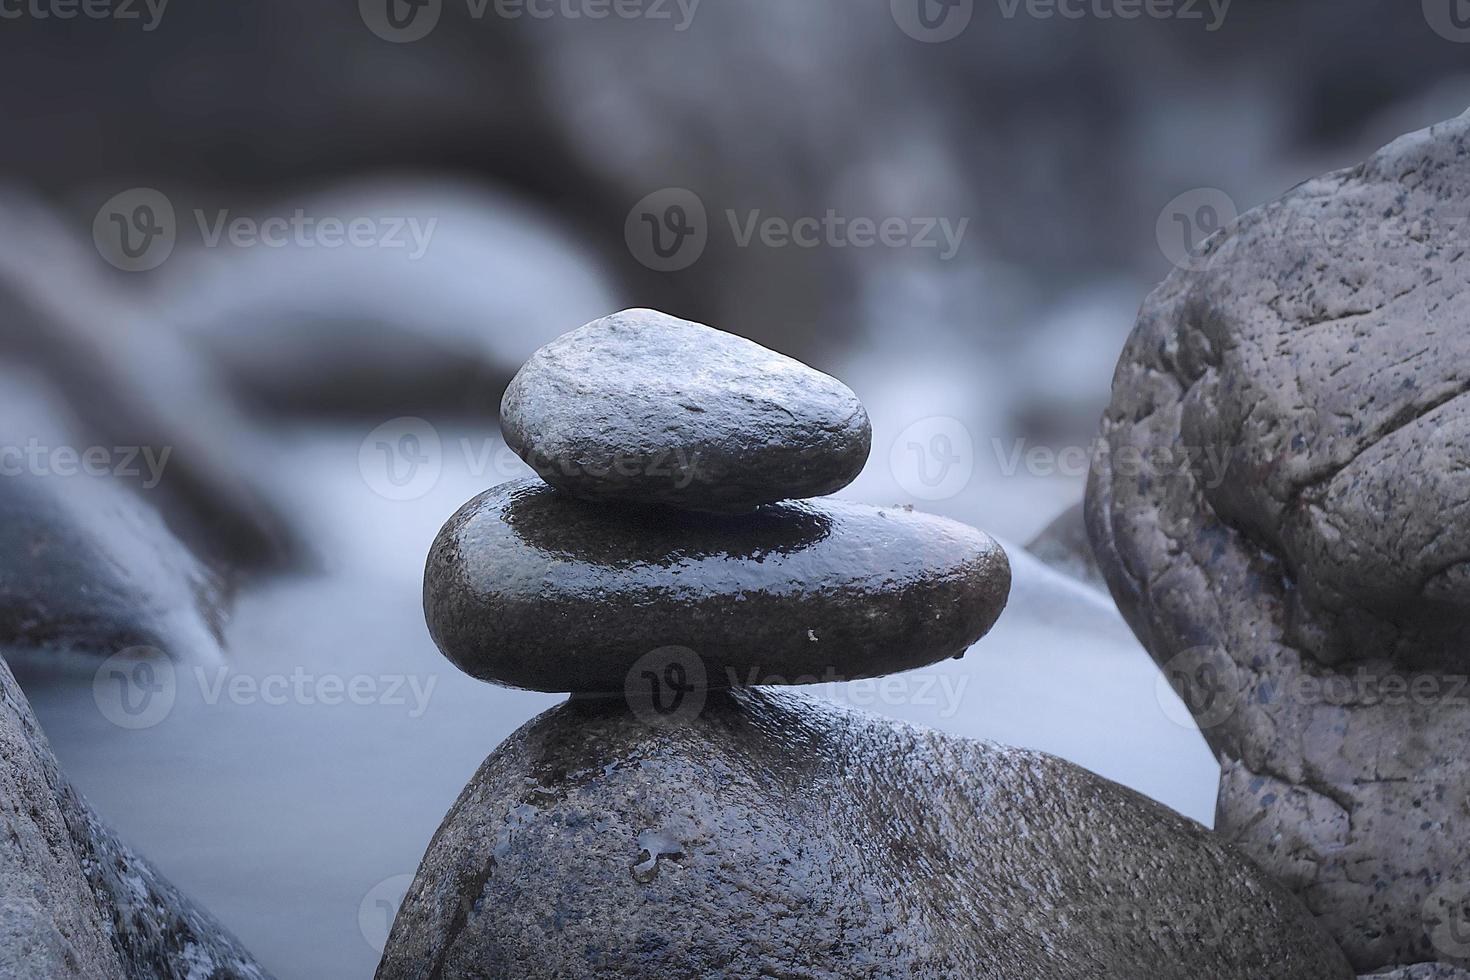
(291, 811)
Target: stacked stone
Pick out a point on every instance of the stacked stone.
(764, 832)
(674, 520)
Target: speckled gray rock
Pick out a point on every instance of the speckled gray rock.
(783, 836)
(646, 407)
(74, 901)
(1304, 567)
(1422, 971)
(528, 587)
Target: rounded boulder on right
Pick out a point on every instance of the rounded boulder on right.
(1281, 516)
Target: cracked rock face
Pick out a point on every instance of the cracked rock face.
(645, 407)
(528, 587)
(779, 835)
(1281, 517)
(74, 900)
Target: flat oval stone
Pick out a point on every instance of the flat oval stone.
(531, 588)
(646, 407)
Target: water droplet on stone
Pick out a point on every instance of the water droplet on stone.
(652, 845)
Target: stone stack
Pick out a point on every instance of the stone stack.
(668, 546)
(706, 827)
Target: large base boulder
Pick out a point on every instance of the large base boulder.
(772, 834)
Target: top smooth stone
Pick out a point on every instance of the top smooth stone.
(646, 407)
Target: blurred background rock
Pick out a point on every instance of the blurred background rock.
(1061, 140)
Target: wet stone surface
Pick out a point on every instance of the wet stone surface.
(528, 587)
(779, 835)
(1313, 593)
(645, 407)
